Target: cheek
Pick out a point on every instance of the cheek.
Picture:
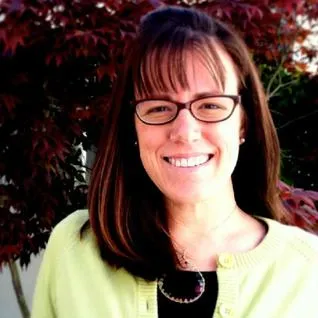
(151, 161)
(233, 148)
(227, 139)
(148, 142)
(146, 155)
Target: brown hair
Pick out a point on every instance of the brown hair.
(127, 211)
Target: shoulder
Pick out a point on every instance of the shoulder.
(72, 223)
(67, 232)
(294, 239)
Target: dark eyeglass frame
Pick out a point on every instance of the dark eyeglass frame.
(188, 105)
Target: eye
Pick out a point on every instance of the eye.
(159, 109)
(210, 106)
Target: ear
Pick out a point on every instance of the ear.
(242, 131)
(243, 128)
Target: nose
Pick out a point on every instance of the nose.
(185, 128)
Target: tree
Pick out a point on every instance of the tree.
(60, 59)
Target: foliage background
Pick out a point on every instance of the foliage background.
(58, 62)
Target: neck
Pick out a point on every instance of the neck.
(201, 231)
(209, 217)
(199, 240)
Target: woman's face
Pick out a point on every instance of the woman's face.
(188, 160)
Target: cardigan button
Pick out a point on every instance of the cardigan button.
(226, 261)
(226, 311)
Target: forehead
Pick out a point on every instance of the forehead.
(199, 68)
(201, 78)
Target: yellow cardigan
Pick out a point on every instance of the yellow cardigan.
(277, 279)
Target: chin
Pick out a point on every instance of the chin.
(188, 197)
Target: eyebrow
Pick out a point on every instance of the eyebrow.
(195, 96)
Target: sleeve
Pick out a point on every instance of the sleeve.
(43, 298)
(62, 237)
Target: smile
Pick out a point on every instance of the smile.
(188, 162)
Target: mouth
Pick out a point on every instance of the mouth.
(189, 162)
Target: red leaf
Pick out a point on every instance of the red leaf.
(106, 69)
(58, 59)
(13, 36)
(9, 101)
(302, 67)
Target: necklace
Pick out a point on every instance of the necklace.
(192, 289)
(196, 288)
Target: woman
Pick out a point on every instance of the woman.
(183, 192)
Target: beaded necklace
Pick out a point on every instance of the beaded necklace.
(197, 286)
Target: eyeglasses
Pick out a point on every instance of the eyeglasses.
(209, 109)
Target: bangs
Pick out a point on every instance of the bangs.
(163, 67)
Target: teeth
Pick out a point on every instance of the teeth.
(189, 162)
(192, 162)
(198, 161)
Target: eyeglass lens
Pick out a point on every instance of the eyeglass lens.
(209, 109)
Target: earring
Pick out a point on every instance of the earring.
(135, 143)
(242, 140)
